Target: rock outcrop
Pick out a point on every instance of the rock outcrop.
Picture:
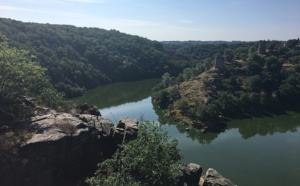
(63, 149)
(213, 178)
(86, 109)
(126, 130)
(190, 174)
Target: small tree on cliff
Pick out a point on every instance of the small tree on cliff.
(21, 76)
(149, 160)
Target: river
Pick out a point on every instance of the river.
(258, 151)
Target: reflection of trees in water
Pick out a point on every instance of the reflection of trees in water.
(118, 93)
(203, 138)
(248, 128)
(267, 125)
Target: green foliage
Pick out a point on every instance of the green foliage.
(251, 84)
(166, 80)
(83, 58)
(21, 76)
(228, 104)
(207, 113)
(255, 83)
(163, 99)
(274, 65)
(150, 160)
(174, 93)
(292, 43)
(254, 64)
(183, 106)
(228, 54)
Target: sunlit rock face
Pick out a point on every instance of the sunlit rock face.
(63, 149)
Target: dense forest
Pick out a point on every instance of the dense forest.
(77, 58)
(250, 82)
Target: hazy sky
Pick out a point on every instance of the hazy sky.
(168, 19)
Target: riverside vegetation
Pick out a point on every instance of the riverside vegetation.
(250, 84)
(63, 61)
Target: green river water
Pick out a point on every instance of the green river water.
(261, 151)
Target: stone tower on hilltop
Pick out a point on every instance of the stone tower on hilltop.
(262, 47)
(219, 62)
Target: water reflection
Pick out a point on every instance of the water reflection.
(288, 122)
(132, 99)
(203, 138)
(118, 93)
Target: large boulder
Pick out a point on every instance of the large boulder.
(126, 130)
(189, 174)
(213, 178)
(86, 109)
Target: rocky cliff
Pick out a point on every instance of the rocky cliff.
(64, 148)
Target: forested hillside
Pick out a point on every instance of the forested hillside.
(77, 58)
(248, 83)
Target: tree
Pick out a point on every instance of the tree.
(255, 83)
(166, 79)
(228, 54)
(163, 99)
(151, 159)
(188, 74)
(21, 76)
(207, 113)
(253, 68)
(273, 64)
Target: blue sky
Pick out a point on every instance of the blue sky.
(163, 20)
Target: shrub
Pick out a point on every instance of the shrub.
(151, 159)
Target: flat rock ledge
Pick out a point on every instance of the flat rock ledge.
(64, 148)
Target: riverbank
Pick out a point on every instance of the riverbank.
(233, 152)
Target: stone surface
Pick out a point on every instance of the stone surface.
(63, 149)
(126, 130)
(213, 178)
(86, 109)
(190, 174)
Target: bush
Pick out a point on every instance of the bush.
(183, 106)
(149, 160)
(163, 99)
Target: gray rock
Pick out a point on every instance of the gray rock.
(213, 178)
(190, 174)
(126, 130)
(63, 149)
